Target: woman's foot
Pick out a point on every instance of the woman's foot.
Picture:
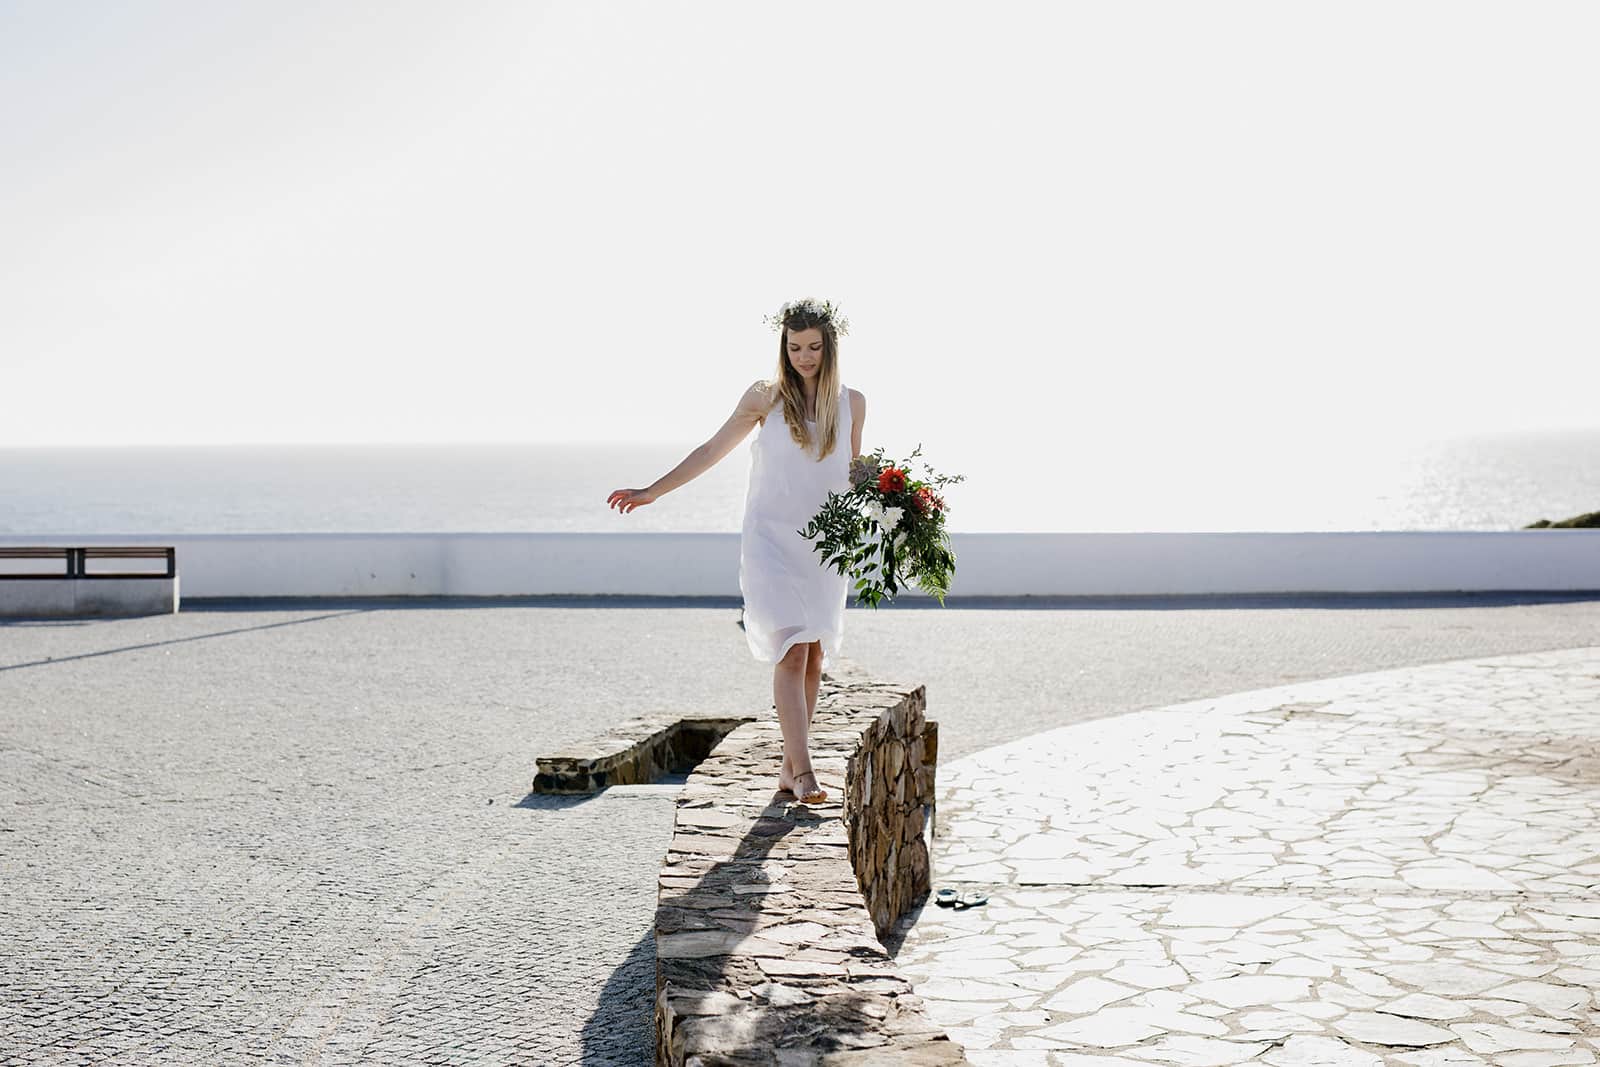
(785, 782)
(808, 790)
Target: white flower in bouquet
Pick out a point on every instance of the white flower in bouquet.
(886, 518)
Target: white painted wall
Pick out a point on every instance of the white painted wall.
(61, 598)
(998, 564)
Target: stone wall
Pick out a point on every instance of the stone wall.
(889, 802)
(770, 911)
(634, 752)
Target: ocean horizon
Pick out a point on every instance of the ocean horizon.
(1467, 482)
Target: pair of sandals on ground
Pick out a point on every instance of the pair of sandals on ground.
(949, 898)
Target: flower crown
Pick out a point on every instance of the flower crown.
(806, 313)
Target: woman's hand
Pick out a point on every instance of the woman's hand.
(752, 406)
(625, 500)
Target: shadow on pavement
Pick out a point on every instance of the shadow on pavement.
(555, 801)
(831, 1019)
(175, 640)
(622, 1030)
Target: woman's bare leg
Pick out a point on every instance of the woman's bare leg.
(813, 678)
(813, 682)
(789, 697)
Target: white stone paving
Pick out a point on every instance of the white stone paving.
(1400, 867)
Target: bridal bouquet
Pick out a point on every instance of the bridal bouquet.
(887, 530)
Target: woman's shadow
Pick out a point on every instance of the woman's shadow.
(622, 1029)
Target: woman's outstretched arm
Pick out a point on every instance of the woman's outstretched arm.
(751, 407)
(858, 415)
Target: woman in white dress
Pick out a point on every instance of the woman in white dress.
(810, 429)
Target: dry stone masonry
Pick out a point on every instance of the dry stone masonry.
(634, 752)
(769, 910)
(888, 803)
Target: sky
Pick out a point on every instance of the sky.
(1053, 226)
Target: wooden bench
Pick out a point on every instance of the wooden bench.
(75, 561)
(65, 581)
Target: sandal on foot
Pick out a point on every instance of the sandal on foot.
(810, 796)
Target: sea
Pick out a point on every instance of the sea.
(1499, 481)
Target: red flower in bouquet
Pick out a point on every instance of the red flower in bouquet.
(926, 501)
(892, 480)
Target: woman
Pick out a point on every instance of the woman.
(793, 606)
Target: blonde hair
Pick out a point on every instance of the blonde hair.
(787, 386)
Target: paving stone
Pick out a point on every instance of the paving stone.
(1437, 1057)
(1199, 1051)
(1426, 1006)
(1281, 1023)
(1106, 1028)
(1304, 1051)
(1551, 998)
(1088, 995)
(1545, 1059)
(1483, 1037)
(1301, 966)
(1250, 990)
(1149, 976)
(1376, 1028)
(1443, 977)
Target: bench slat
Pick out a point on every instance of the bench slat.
(76, 560)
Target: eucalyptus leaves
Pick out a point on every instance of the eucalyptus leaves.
(888, 530)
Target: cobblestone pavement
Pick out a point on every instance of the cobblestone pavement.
(299, 833)
(305, 837)
(1397, 867)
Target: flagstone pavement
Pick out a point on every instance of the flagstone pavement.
(1397, 867)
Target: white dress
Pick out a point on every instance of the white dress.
(789, 597)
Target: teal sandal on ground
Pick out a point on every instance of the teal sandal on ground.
(970, 899)
(945, 898)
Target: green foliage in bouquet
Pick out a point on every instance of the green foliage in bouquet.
(888, 530)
